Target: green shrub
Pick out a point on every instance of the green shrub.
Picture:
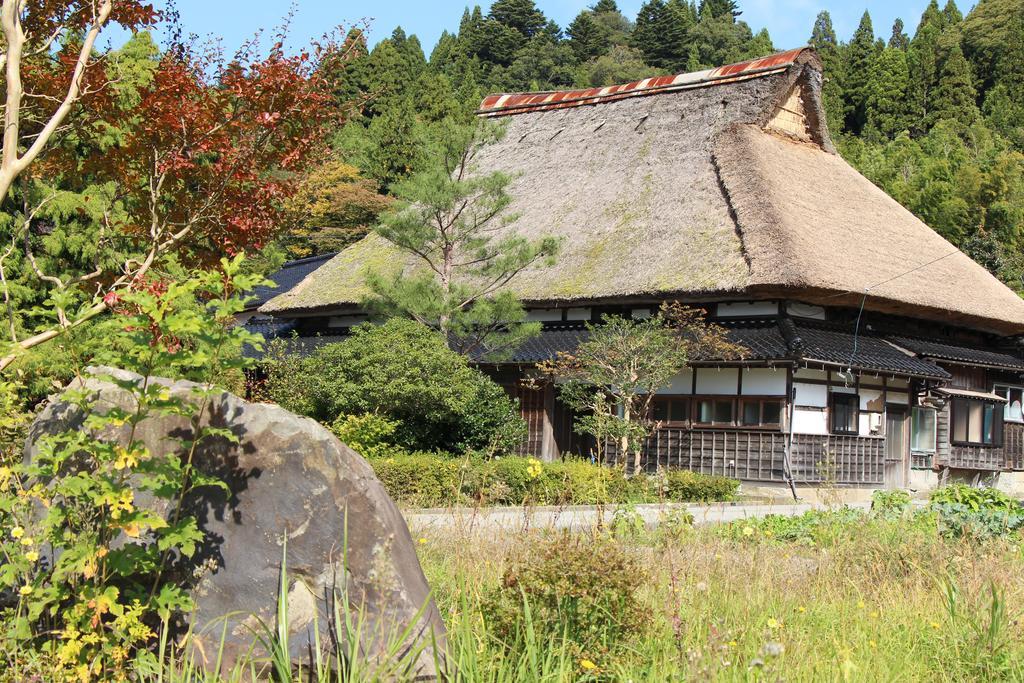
(684, 485)
(975, 498)
(370, 435)
(405, 372)
(585, 591)
(520, 481)
(419, 479)
(890, 503)
(975, 513)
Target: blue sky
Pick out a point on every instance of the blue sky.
(788, 21)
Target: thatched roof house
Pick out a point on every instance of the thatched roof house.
(702, 186)
(879, 354)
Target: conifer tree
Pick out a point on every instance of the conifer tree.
(823, 40)
(951, 14)
(521, 15)
(923, 66)
(886, 107)
(661, 33)
(720, 8)
(898, 40)
(587, 37)
(955, 97)
(861, 54)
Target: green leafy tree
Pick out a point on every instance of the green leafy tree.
(612, 377)
(622, 64)
(449, 220)
(89, 551)
(393, 151)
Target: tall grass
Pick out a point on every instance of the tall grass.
(861, 599)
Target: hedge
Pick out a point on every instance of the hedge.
(429, 480)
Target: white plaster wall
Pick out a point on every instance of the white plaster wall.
(806, 311)
(868, 395)
(922, 480)
(865, 422)
(721, 381)
(807, 373)
(811, 394)
(809, 421)
(577, 314)
(680, 384)
(764, 382)
(544, 314)
(743, 308)
(898, 398)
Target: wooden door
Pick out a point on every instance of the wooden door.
(897, 451)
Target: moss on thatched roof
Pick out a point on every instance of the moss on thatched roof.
(704, 192)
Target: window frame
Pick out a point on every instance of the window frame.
(697, 400)
(761, 401)
(997, 423)
(1008, 388)
(686, 399)
(840, 396)
(935, 429)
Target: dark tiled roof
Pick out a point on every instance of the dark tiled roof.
(547, 345)
(942, 351)
(837, 345)
(291, 274)
(763, 339)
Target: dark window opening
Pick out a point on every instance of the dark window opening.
(976, 423)
(845, 409)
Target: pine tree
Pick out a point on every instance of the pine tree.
(717, 9)
(861, 54)
(661, 34)
(823, 40)
(521, 15)
(760, 45)
(886, 107)
(615, 25)
(955, 98)
(898, 40)
(587, 38)
(923, 65)
(951, 14)
(605, 6)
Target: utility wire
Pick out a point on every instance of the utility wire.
(864, 298)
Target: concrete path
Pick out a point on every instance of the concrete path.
(586, 516)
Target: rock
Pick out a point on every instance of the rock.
(293, 484)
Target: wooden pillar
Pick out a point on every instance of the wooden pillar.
(549, 445)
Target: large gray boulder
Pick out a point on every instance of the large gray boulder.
(292, 484)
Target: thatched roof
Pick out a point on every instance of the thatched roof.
(711, 185)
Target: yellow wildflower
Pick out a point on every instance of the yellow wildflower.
(748, 531)
(27, 541)
(534, 468)
(774, 623)
(25, 590)
(31, 556)
(125, 459)
(936, 625)
(860, 604)
(732, 643)
(17, 532)
(801, 609)
(5, 476)
(587, 665)
(872, 644)
(423, 541)
(132, 530)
